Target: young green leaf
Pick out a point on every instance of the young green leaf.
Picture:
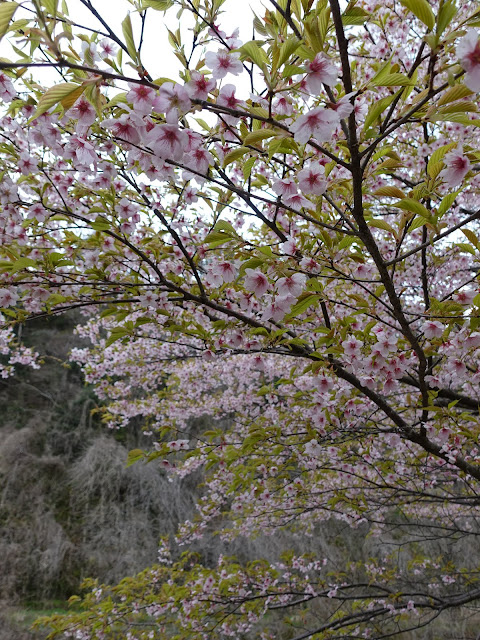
(54, 95)
(423, 11)
(128, 35)
(7, 9)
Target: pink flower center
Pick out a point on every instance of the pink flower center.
(142, 92)
(83, 107)
(460, 163)
(313, 120)
(317, 65)
(474, 56)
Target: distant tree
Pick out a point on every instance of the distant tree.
(298, 262)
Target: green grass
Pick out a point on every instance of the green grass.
(16, 620)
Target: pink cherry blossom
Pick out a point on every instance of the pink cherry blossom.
(282, 106)
(123, 127)
(468, 50)
(473, 341)
(297, 202)
(310, 265)
(89, 50)
(190, 195)
(172, 96)
(223, 62)
(343, 107)
(126, 209)
(433, 329)
(83, 111)
(227, 98)
(319, 122)
(199, 86)
(37, 212)
(289, 247)
(312, 179)
(313, 449)
(27, 164)
(107, 48)
(7, 90)
(167, 141)
(293, 285)
(226, 270)
(8, 298)
(199, 159)
(320, 71)
(285, 187)
(278, 308)
(457, 166)
(352, 346)
(465, 297)
(82, 150)
(256, 282)
(141, 97)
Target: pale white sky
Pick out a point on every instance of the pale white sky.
(157, 54)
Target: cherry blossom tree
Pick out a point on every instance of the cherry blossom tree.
(296, 260)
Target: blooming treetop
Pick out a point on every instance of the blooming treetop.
(298, 262)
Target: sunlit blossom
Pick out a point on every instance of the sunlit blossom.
(320, 71)
(223, 62)
(468, 50)
(457, 165)
(320, 123)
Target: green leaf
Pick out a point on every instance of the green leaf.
(453, 94)
(463, 246)
(447, 202)
(128, 35)
(445, 15)
(377, 108)
(471, 236)
(247, 167)
(251, 263)
(257, 136)
(7, 9)
(464, 106)
(51, 6)
(438, 155)
(393, 80)
(234, 155)
(23, 263)
(281, 145)
(53, 96)
(289, 47)
(419, 221)
(355, 16)
(302, 305)
(116, 334)
(71, 98)
(119, 98)
(253, 51)
(381, 224)
(217, 238)
(345, 242)
(422, 10)
(100, 224)
(158, 5)
(134, 456)
(461, 118)
(408, 204)
(292, 70)
(389, 192)
(225, 226)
